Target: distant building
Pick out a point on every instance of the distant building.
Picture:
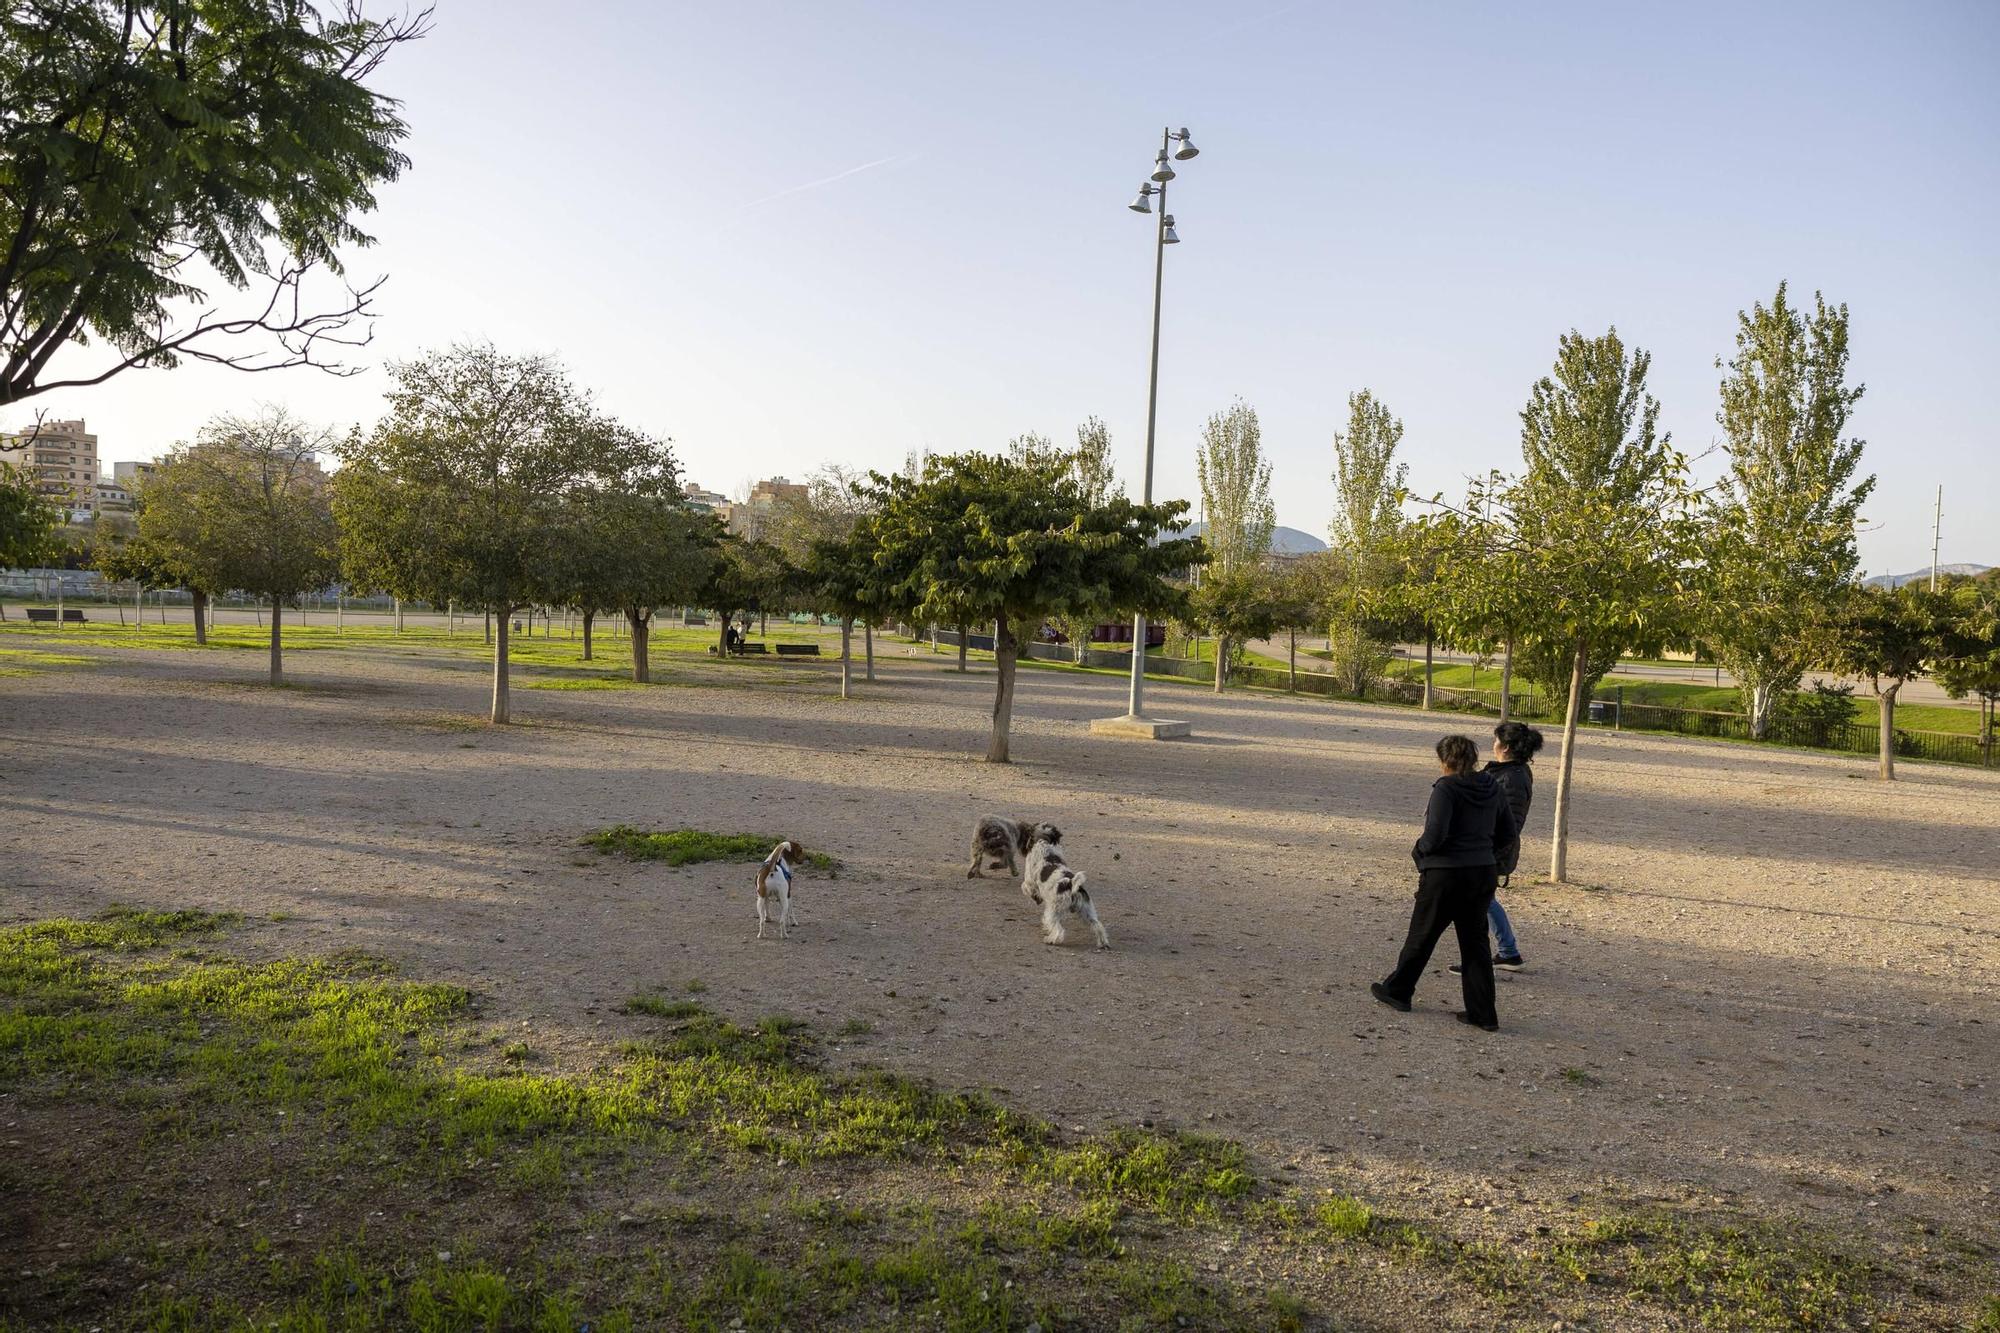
(715, 502)
(112, 498)
(129, 475)
(62, 457)
(748, 519)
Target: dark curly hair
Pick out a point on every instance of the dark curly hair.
(1458, 753)
(1520, 739)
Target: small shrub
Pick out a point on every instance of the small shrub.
(687, 846)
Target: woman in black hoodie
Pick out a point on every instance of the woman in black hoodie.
(1468, 831)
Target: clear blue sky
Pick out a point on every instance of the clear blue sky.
(679, 201)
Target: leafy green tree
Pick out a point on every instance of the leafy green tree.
(138, 136)
(458, 495)
(813, 533)
(246, 507)
(748, 577)
(978, 539)
(1369, 485)
(1598, 532)
(1970, 664)
(1780, 528)
(1238, 516)
(28, 522)
(1098, 481)
(131, 559)
(643, 548)
(1890, 637)
(1235, 605)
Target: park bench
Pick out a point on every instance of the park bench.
(798, 650)
(70, 615)
(743, 649)
(692, 621)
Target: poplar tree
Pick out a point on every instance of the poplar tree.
(1780, 529)
(1237, 513)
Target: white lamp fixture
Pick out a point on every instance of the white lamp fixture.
(1167, 236)
(1163, 170)
(1143, 201)
(1187, 148)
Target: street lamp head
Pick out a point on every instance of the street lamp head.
(1163, 170)
(1143, 201)
(1187, 148)
(1167, 236)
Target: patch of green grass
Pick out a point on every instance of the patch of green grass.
(682, 847)
(604, 682)
(1581, 1078)
(1989, 1318)
(332, 1075)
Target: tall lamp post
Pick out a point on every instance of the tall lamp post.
(1175, 145)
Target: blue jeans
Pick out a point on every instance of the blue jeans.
(1504, 943)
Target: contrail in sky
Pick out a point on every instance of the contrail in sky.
(828, 180)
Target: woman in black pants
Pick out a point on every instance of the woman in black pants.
(1468, 831)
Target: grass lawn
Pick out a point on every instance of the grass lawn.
(202, 1138)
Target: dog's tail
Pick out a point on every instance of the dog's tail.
(1076, 883)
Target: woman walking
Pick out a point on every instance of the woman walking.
(1515, 745)
(1468, 830)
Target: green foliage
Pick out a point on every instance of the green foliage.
(1235, 605)
(1368, 482)
(1779, 531)
(978, 539)
(223, 131)
(681, 847)
(28, 522)
(1237, 514)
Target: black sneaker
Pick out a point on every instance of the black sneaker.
(1382, 993)
(1514, 964)
(1472, 1022)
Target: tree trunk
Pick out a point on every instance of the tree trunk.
(1886, 701)
(489, 627)
(200, 617)
(1221, 661)
(722, 646)
(1003, 691)
(277, 641)
(499, 714)
(641, 621)
(1507, 681)
(963, 631)
(1760, 697)
(1429, 669)
(846, 655)
(1293, 661)
(399, 614)
(1559, 839)
(588, 617)
(868, 649)
(450, 619)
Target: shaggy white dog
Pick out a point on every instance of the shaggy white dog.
(1049, 881)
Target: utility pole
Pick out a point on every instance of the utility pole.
(1937, 525)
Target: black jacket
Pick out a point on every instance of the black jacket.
(1518, 781)
(1468, 823)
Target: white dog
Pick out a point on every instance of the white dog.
(1048, 880)
(999, 843)
(774, 881)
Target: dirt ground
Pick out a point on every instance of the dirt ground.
(1777, 994)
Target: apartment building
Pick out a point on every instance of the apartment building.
(62, 457)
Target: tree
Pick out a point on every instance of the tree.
(634, 547)
(748, 576)
(1780, 540)
(839, 575)
(28, 522)
(1369, 485)
(1970, 663)
(246, 507)
(813, 531)
(1235, 605)
(132, 560)
(1098, 482)
(143, 139)
(975, 538)
(458, 495)
(1891, 637)
(1235, 488)
(1598, 532)
(1474, 596)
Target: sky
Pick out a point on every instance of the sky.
(787, 234)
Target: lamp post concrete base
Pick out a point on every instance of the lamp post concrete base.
(1140, 728)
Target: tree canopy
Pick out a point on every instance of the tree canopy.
(28, 522)
(145, 144)
(974, 539)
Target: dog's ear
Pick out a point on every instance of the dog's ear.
(1051, 833)
(1076, 886)
(797, 853)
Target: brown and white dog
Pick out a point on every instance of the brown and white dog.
(774, 886)
(1049, 881)
(999, 843)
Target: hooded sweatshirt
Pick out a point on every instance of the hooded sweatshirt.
(1518, 781)
(1468, 823)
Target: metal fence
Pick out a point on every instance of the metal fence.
(1864, 738)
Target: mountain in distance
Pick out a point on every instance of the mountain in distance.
(1287, 541)
(1923, 575)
